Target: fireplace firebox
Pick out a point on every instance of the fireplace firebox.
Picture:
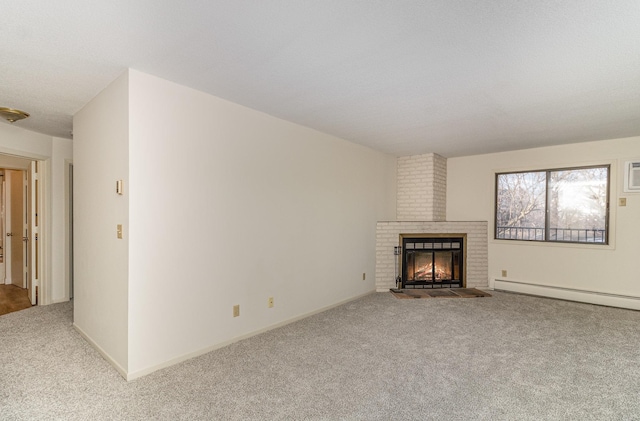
(432, 262)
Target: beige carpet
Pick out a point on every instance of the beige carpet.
(13, 298)
(439, 293)
(511, 357)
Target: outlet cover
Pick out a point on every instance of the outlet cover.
(236, 310)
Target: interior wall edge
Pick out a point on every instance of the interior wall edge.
(105, 354)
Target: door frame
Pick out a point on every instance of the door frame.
(32, 253)
(68, 217)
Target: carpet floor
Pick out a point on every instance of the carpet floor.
(13, 298)
(510, 357)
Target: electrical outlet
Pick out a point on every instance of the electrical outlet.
(119, 231)
(236, 310)
(504, 273)
(270, 302)
(364, 276)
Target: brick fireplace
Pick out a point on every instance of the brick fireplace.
(432, 262)
(421, 213)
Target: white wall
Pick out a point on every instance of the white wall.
(17, 141)
(223, 205)
(613, 269)
(62, 153)
(100, 157)
(53, 152)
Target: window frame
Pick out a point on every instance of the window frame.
(547, 227)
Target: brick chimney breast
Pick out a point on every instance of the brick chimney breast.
(422, 188)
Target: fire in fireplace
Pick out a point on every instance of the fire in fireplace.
(429, 262)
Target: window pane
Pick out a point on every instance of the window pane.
(578, 205)
(521, 202)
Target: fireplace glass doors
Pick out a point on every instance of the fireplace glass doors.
(432, 262)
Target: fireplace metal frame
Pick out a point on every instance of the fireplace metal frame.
(434, 284)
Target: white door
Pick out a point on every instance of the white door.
(32, 229)
(25, 232)
(15, 228)
(3, 200)
(6, 195)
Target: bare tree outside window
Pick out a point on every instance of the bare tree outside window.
(521, 205)
(565, 205)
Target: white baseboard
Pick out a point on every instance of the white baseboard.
(140, 373)
(102, 352)
(570, 294)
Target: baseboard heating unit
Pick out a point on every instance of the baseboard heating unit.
(570, 294)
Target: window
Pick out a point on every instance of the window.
(568, 205)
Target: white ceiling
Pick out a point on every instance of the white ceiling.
(453, 77)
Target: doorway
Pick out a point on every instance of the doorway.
(20, 256)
